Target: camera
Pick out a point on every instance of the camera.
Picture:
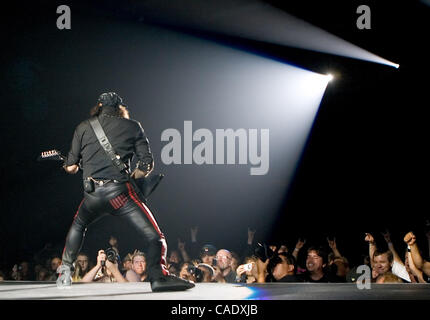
(112, 255)
(196, 272)
(248, 267)
(263, 252)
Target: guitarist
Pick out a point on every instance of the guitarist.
(109, 191)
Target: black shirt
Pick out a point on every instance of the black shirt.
(324, 279)
(126, 137)
(291, 278)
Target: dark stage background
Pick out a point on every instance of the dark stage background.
(363, 169)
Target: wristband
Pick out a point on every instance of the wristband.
(295, 249)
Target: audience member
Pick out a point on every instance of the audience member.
(316, 263)
(388, 277)
(104, 271)
(248, 272)
(283, 268)
(223, 269)
(224, 266)
(42, 274)
(235, 260)
(419, 262)
(82, 266)
(22, 272)
(54, 264)
(383, 261)
(138, 272)
(207, 254)
(338, 266)
(208, 272)
(187, 271)
(126, 263)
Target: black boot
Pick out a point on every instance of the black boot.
(171, 283)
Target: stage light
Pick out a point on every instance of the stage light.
(329, 77)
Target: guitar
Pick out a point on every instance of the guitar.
(146, 185)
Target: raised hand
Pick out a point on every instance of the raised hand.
(251, 233)
(369, 238)
(181, 245)
(300, 243)
(410, 238)
(194, 231)
(332, 243)
(387, 236)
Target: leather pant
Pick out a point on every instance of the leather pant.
(118, 199)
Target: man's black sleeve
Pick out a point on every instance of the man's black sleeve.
(75, 151)
(142, 149)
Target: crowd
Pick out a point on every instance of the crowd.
(257, 263)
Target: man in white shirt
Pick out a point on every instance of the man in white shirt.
(383, 262)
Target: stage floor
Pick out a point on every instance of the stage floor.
(22, 290)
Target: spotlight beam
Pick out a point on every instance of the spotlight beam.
(253, 20)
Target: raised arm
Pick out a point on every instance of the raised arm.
(372, 247)
(419, 262)
(183, 251)
(89, 276)
(332, 244)
(390, 245)
(113, 267)
(299, 245)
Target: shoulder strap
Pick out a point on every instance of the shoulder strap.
(104, 141)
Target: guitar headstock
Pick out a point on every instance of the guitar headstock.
(51, 155)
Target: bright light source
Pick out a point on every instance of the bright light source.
(329, 77)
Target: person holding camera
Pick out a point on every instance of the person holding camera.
(106, 270)
(103, 147)
(248, 272)
(224, 272)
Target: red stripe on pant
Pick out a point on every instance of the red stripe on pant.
(115, 203)
(148, 213)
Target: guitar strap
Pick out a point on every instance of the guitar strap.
(104, 141)
(148, 184)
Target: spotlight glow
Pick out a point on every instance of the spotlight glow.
(256, 20)
(329, 77)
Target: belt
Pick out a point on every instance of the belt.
(101, 182)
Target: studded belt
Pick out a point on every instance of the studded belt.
(101, 182)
